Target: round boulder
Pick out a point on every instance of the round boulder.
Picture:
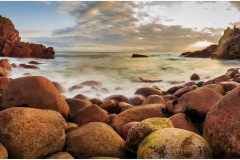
(92, 113)
(141, 130)
(31, 133)
(34, 92)
(221, 127)
(194, 77)
(61, 155)
(147, 91)
(174, 143)
(154, 99)
(95, 139)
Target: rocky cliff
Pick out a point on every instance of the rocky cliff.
(10, 45)
(228, 47)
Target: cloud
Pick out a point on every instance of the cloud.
(124, 26)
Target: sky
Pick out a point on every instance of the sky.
(110, 26)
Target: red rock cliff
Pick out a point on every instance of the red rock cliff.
(10, 45)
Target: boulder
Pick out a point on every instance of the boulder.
(221, 127)
(194, 77)
(110, 106)
(218, 88)
(3, 152)
(117, 98)
(92, 113)
(34, 62)
(96, 101)
(124, 106)
(147, 91)
(31, 133)
(92, 83)
(201, 100)
(61, 155)
(182, 91)
(3, 72)
(76, 104)
(154, 99)
(141, 130)
(205, 53)
(81, 96)
(169, 98)
(172, 90)
(229, 85)
(27, 66)
(174, 143)
(42, 94)
(95, 139)
(136, 100)
(180, 120)
(137, 113)
(59, 87)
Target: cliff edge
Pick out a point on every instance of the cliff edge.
(228, 47)
(11, 46)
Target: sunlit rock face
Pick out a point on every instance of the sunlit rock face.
(10, 45)
(228, 47)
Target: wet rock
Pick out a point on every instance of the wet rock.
(92, 113)
(14, 65)
(3, 152)
(34, 62)
(221, 128)
(61, 155)
(147, 91)
(5, 64)
(70, 126)
(174, 143)
(200, 84)
(194, 77)
(201, 100)
(75, 105)
(136, 100)
(92, 83)
(124, 106)
(218, 88)
(237, 79)
(117, 98)
(138, 56)
(95, 139)
(172, 90)
(154, 99)
(28, 66)
(96, 101)
(137, 113)
(27, 74)
(147, 79)
(81, 96)
(75, 87)
(194, 87)
(141, 130)
(181, 121)
(189, 84)
(42, 94)
(31, 133)
(59, 87)
(229, 85)
(182, 91)
(205, 53)
(217, 80)
(127, 127)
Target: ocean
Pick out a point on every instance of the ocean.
(117, 70)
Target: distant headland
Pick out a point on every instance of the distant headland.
(228, 47)
(11, 46)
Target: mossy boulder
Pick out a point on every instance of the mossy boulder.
(95, 139)
(174, 143)
(141, 130)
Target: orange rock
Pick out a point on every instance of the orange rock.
(154, 99)
(136, 100)
(127, 127)
(147, 91)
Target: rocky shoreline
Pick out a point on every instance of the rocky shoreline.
(195, 120)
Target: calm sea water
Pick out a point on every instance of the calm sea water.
(119, 69)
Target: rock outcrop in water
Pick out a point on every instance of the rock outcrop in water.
(228, 47)
(10, 45)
